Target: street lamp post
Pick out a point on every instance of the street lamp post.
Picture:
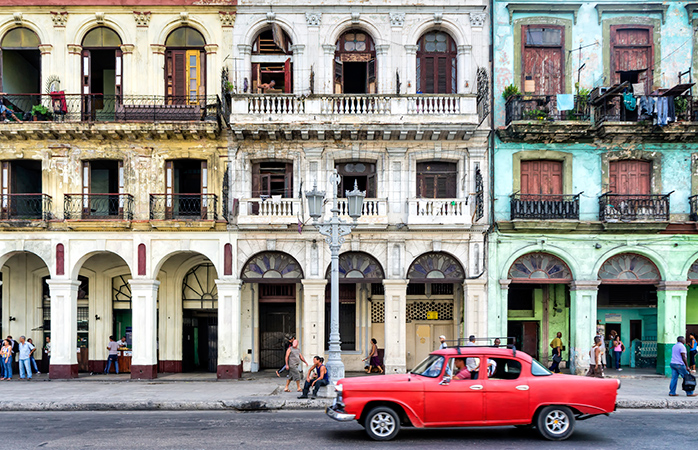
(335, 229)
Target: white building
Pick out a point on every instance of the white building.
(153, 202)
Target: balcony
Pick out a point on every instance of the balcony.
(183, 207)
(76, 116)
(537, 117)
(634, 208)
(374, 211)
(354, 116)
(270, 211)
(544, 207)
(438, 211)
(98, 207)
(25, 207)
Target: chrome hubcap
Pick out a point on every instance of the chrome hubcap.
(382, 424)
(557, 422)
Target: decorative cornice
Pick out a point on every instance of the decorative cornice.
(74, 49)
(142, 18)
(227, 18)
(329, 49)
(211, 49)
(543, 8)
(397, 19)
(59, 18)
(298, 49)
(157, 49)
(244, 49)
(465, 49)
(584, 285)
(639, 7)
(673, 285)
(478, 19)
(411, 49)
(127, 49)
(313, 19)
(504, 284)
(382, 49)
(45, 49)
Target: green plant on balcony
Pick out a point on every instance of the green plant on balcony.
(229, 87)
(680, 105)
(535, 114)
(510, 91)
(40, 112)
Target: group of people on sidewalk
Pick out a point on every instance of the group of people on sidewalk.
(317, 375)
(24, 350)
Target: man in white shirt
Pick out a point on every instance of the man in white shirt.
(25, 351)
(113, 348)
(443, 345)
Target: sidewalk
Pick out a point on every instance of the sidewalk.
(254, 392)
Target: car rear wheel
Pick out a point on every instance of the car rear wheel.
(555, 423)
(382, 423)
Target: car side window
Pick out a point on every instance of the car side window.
(464, 368)
(539, 370)
(503, 369)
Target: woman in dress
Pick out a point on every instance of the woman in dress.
(373, 358)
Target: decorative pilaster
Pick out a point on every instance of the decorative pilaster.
(142, 18)
(229, 329)
(395, 356)
(671, 320)
(313, 339)
(64, 314)
(144, 294)
(227, 18)
(59, 18)
(45, 49)
(583, 312)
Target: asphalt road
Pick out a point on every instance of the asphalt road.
(311, 429)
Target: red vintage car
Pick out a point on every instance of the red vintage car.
(472, 387)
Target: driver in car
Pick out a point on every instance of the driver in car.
(462, 373)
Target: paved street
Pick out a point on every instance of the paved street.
(311, 429)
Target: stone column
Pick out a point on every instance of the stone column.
(245, 72)
(465, 61)
(395, 356)
(64, 316)
(498, 323)
(384, 69)
(144, 295)
(410, 80)
(583, 312)
(229, 328)
(671, 320)
(313, 339)
(325, 83)
(474, 307)
(158, 60)
(301, 83)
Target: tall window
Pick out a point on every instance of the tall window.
(436, 64)
(185, 66)
(20, 62)
(355, 64)
(363, 174)
(272, 178)
(272, 62)
(632, 54)
(541, 177)
(436, 180)
(101, 63)
(630, 177)
(543, 62)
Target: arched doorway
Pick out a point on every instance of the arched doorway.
(20, 69)
(185, 66)
(360, 274)
(272, 62)
(434, 303)
(355, 64)
(627, 304)
(200, 319)
(538, 303)
(437, 59)
(275, 277)
(692, 301)
(102, 73)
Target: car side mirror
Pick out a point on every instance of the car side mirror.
(446, 380)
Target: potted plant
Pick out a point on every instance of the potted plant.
(40, 112)
(535, 114)
(229, 87)
(510, 91)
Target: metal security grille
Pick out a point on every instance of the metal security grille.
(377, 312)
(418, 310)
(83, 318)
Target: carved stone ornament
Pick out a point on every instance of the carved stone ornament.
(59, 18)
(355, 17)
(127, 49)
(438, 18)
(157, 49)
(397, 19)
(74, 49)
(17, 18)
(211, 48)
(45, 49)
(142, 18)
(184, 17)
(313, 19)
(271, 17)
(477, 19)
(99, 17)
(227, 18)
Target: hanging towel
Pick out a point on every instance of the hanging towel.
(639, 89)
(565, 102)
(671, 110)
(629, 101)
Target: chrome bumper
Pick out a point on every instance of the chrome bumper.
(339, 416)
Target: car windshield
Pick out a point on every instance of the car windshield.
(538, 369)
(430, 367)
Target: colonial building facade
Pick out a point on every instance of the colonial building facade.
(154, 187)
(594, 191)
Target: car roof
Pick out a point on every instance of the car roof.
(480, 349)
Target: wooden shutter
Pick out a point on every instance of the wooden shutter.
(6, 190)
(543, 63)
(338, 76)
(204, 189)
(288, 181)
(633, 49)
(630, 177)
(371, 77)
(193, 74)
(120, 177)
(371, 185)
(176, 73)
(118, 79)
(86, 68)
(256, 77)
(541, 177)
(442, 76)
(169, 188)
(86, 182)
(288, 76)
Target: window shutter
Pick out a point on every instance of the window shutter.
(5, 180)
(287, 76)
(288, 181)
(256, 77)
(371, 186)
(449, 186)
(204, 189)
(338, 76)
(169, 187)
(86, 72)
(371, 69)
(441, 76)
(428, 74)
(121, 186)
(118, 76)
(86, 187)
(179, 75)
(256, 181)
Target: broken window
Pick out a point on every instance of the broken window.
(355, 64)
(272, 178)
(543, 62)
(20, 69)
(436, 179)
(436, 64)
(185, 66)
(632, 55)
(272, 62)
(361, 173)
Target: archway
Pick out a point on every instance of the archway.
(538, 303)
(272, 62)
(185, 66)
(20, 70)
(627, 304)
(435, 284)
(102, 73)
(355, 64)
(274, 277)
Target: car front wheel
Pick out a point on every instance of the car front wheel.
(382, 423)
(555, 423)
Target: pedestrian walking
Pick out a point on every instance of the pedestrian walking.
(6, 359)
(293, 361)
(317, 378)
(679, 366)
(113, 348)
(31, 357)
(25, 350)
(596, 357)
(443, 345)
(611, 351)
(693, 349)
(373, 359)
(287, 344)
(618, 349)
(556, 345)
(46, 356)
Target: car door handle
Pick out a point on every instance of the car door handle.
(476, 387)
(523, 387)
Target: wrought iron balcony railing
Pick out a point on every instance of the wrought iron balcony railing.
(183, 207)
(632, 208)
(25, 207)
(611, 109)
(98, 206)
(545, 207)
(544, 108)
(58, 106)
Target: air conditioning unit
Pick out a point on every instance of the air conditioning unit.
(597, 92)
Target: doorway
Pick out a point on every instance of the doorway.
(200, 341)
(186, 187)
(277, 322)
(526, 335)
